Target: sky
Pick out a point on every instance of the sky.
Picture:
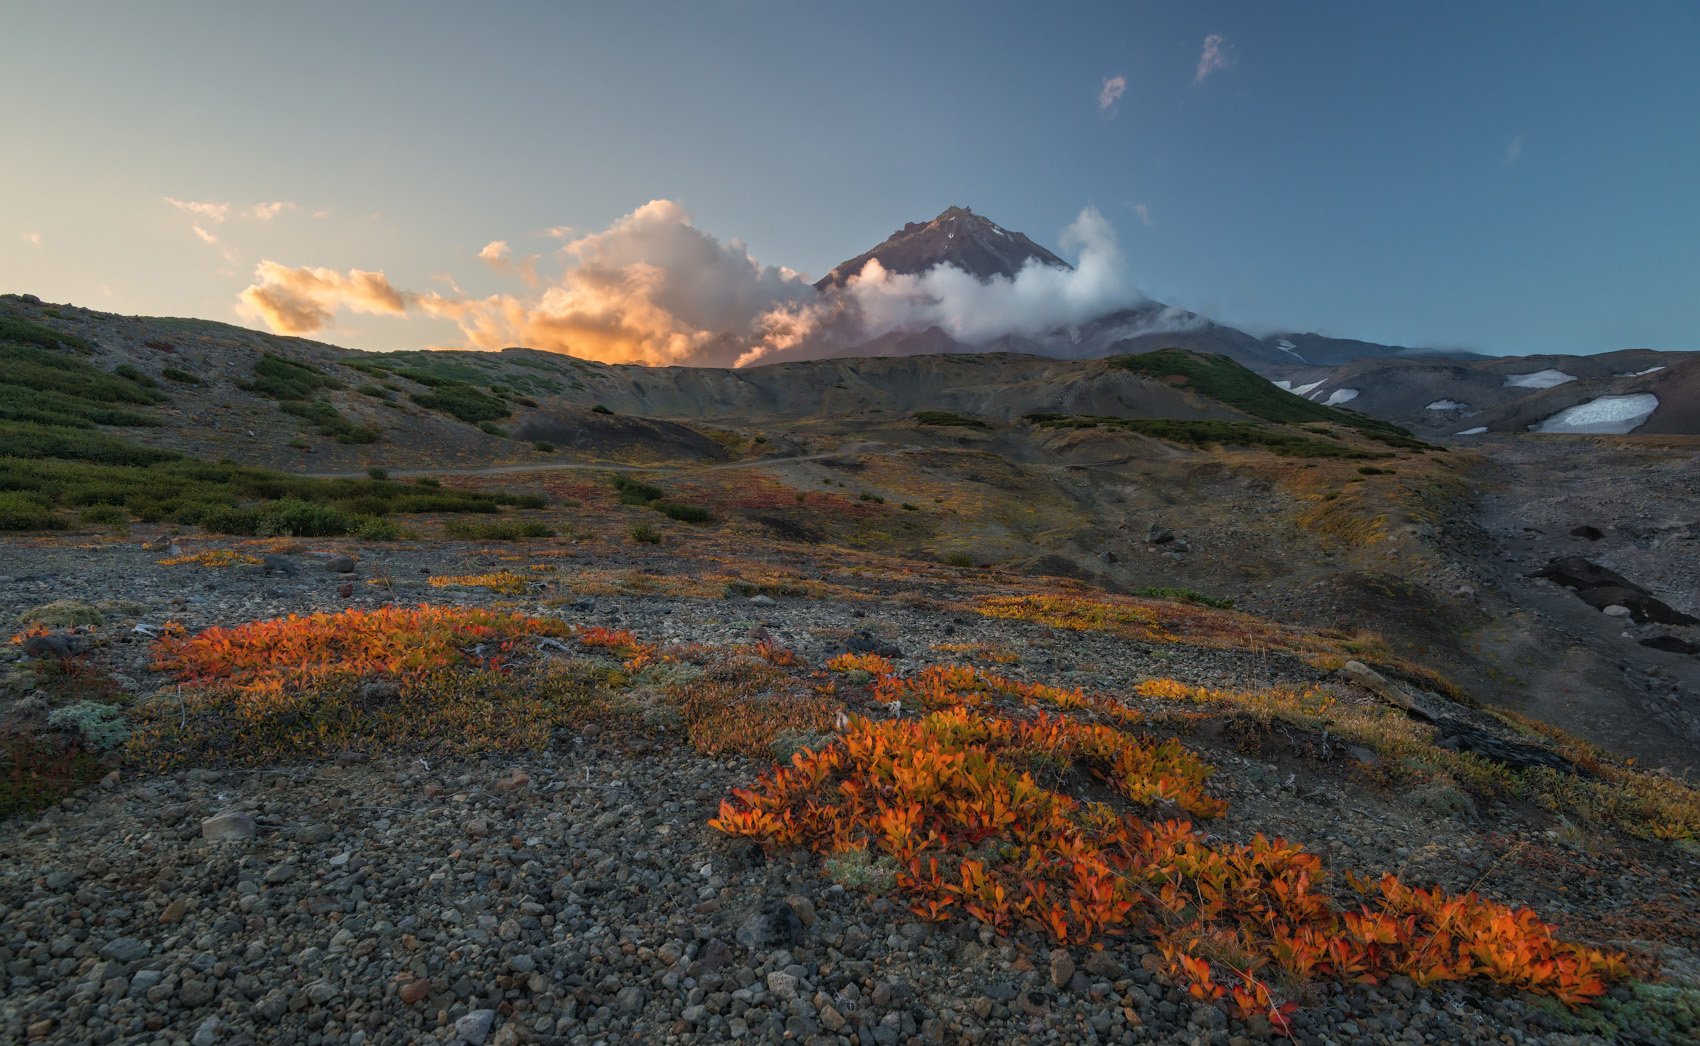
(658, 181)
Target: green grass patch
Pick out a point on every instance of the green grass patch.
(498, 529)
(1226, 381)
(1186, 595)
(283, 380)
(1212, 433)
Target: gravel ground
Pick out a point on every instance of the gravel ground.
(576, 894)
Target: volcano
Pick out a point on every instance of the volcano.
(959, 237)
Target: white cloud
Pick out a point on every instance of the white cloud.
(1035, 301)
(1144, 213)
(265, 212)
(322, 212)
(1514, 150)
(212, 211)
(1217, 54)
(206, 237)
(495, 253)
(32, 238)
(1114, 87)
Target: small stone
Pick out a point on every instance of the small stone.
(281, 872)
(474, 1028)
(125, 949)
(413, 991)
(831, 1019)
(1062, 968)
(174, 912)
(783, 985)
(1616, 610)
(761, 601)
(40, 1029)
(629, 999)
(228, 825)
(340, 565)
(208, 1033)
(803, 908)
(514, 783)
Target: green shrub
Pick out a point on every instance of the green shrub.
(947, 417)
(645, 533)
(130, 373)
(462, 402)
(376, 528)
(104, 515)
(22, 512)
(1186, 595)
(543, 446)
(636, 492)
(300, 519)
(23, 332)
(492, 429)
(377, 472)
(600, 409)
(180, 376)
(684, 513)
(283, 379)
(498, 530)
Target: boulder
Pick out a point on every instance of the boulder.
(1600, 588)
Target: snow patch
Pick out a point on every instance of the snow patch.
(1305, 390)
(1541, 379)
(1609, 415)
(1447, 405)
(1284, 385)
(1639, 373)
(1339, 396)
(1477, 431)
(1288, 347)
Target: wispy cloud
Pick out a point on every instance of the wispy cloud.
(211, 211)
(1114, 87)
(32, 238)
(560, 232)
(267, 211)
(1514, 150)
(1217, 54)
(1144, 213)
(322, 212)
(206, 237)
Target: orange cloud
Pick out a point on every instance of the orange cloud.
(304, 300)
(651, 288)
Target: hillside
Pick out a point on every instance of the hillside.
(510, 697)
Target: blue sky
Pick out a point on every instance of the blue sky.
(1505, 177)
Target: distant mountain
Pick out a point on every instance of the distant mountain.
(984, 249)
(959, 237)
(1633, 390)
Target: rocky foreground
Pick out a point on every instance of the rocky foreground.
(576, 893)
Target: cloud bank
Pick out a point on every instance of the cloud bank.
(652, 288)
